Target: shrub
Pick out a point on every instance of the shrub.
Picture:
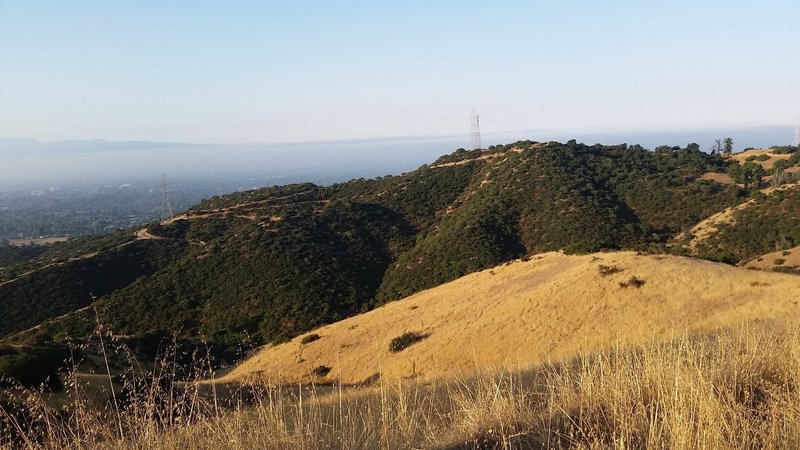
(632, 282)
(405, 340)
(309, 339)
(584, 247)
(779, 261)
(321, 371)
(33, 368)
(608, 270)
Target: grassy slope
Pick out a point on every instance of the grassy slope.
(549, 308)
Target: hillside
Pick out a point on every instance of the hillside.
(548, 309)
(767, 223)
(472, 241)
(269, 264)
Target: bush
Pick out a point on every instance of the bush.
(309, 339)
(584, 247)
(632, 282)
(405, 340)
(32, 368)
(608, 270)
(321, 371)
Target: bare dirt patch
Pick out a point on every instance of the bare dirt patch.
(37, 241)
(722, 178)
(766, 164)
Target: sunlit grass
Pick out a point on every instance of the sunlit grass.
(732, 389)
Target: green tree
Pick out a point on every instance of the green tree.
(728, 146)
(752, 174)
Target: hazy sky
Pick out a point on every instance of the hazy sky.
(271, 71)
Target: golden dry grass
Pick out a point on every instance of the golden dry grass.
(734, 388)
(722, 178)
(767, 163)
(547, 353)
(789, 257)
(526, 313)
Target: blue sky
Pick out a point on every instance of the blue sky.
(264, 71)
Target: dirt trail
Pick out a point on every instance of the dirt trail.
(247, 208)
(144, 234)
(60, 263)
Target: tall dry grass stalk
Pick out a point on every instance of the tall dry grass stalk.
(732, 389)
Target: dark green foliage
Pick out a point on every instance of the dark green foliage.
(10, 255)
(270, 264)
(18, 260)
(405, 340)
(321, 371)
(780, 165)
(749, 174)
(32, 367)
(309, 339)
(784, 149)
(604, 270)
(773, 222)
(584, 247)
(728, 146)
(62, 288)
(632, 282)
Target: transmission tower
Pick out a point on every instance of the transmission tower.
(796, 141)
(166, 201)
(475, 130)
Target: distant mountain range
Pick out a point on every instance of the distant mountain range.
(39, 164)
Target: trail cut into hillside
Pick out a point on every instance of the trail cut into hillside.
(552, 307)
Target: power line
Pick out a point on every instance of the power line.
(475, 132)
(796, 141)
(166, 201)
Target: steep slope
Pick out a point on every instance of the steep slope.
(551, 307)
(769, 222)
(541, 197)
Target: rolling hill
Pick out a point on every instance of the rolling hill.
(526, 313)
(267, 265)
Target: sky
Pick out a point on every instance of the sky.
(285, 71)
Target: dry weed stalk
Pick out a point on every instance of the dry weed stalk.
(731, 389)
